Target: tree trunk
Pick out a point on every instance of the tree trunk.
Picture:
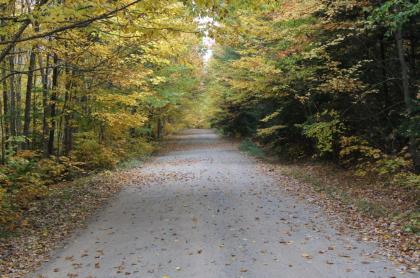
(19, 95)
(68, 130)
(159, 128)
(384, 72)
(34, 115)
(12, 115)
(53, 105)
(5, 103)
(28, 97)
(44, 79)
(407, 97)
(4, 123)
(413, 54)
(3, 141)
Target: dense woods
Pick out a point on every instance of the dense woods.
(88, 84)
(336, 80)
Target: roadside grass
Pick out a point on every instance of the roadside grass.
(131, 163)
(335, 191)
(364, 194)
(384, 212)
(367, 196)
(251, 148)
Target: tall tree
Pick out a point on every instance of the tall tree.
(28, 98)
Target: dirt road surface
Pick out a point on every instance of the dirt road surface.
(203, 209)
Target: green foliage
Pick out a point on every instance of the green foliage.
(395, 13)
(372, 161)
(139, 148)
(407, 180)
(52, 170)
(323, 79)
(325, 130)
(95, 155)
(370, 208)
(302, 77)
(414, 224)
(101, 93)
(251, 148)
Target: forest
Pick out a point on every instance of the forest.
(87, 85)
(335, 80)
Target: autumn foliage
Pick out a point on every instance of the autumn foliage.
(86, 85)
(334, 80)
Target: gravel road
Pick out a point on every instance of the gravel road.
(203, 209)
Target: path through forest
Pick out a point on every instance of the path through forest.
(205, 210)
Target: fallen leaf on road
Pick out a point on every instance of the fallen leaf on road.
(306, 256)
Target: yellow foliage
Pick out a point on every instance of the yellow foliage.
(30, 193)
(2, 195)
(264, 132)
(94, 155)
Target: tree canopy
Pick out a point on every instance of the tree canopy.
(338, 80)
(87, 84)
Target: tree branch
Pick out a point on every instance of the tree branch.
(80, 24)
(15, 38)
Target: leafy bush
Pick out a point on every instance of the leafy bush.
(325, 130)
(20, 186)
(250, 147)
(50, 169)
(30, 192)
(53, 170)
(394, 169)
(6, 214)
(18, 166)
(26, 176)
(95, 155)
(139, 148)
(291, 151)
(409, 180)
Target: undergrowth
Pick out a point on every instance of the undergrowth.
(368, 195)
(251, 148)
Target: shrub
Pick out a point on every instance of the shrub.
(250, 147)
(139, 148)
(325, 130)
(30, 192)
(50, 169)
(291, 151)
(95, 155)
(368, 160)
(408, 180)
(53, 170)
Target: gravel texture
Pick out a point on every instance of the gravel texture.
(204, 209)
